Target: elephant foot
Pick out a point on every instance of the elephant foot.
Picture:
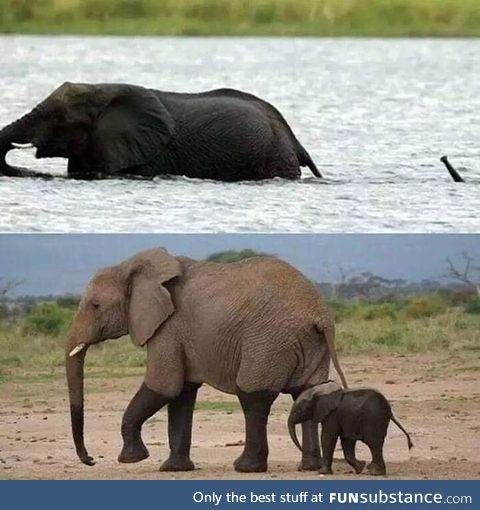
(310, 463)
(359, 466)
(376, 470)
(245, 464)
(325, 470)
(177, 463)
(133, 453)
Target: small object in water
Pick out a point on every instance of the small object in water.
(453, 173)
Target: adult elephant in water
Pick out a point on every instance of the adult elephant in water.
(126, 130)
(255, 329)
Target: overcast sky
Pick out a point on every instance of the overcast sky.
(57, 264)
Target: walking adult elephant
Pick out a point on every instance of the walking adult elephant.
(255, 328)
(126, 130)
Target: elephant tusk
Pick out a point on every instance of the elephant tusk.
(77, 349)
(22, 145)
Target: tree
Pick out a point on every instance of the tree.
(469, 274)
(6, 286)
(235, 256)
(367, 285)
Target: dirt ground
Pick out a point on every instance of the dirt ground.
(437, 399)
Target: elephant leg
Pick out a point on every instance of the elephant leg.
(377, 466)
(256, 408)
(330, 435)
(180, 418)
(348, 446)
(311, 454)
(143, 405)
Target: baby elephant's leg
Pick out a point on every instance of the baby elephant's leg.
(348, 446)
(329, 440)
(377, 466)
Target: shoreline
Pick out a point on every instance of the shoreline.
(268, 18)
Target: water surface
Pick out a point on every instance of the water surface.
(375, 115)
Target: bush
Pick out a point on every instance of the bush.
(457, 297)
(425, 306)
(384, 310)
(48, 319)
(473, 307)
(234, 256)
(343, 309)
(68, 301)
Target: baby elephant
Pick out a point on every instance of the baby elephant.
(354, 415)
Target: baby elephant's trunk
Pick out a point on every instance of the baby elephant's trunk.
(293, 432)
(399, 425)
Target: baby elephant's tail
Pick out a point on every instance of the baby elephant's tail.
(399, 425)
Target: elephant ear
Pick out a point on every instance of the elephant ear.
(131, 130)
(150, 303)
(327, 401)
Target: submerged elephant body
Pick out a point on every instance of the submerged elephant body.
(114, 130)
(254, 329)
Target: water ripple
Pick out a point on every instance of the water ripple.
(375, 115)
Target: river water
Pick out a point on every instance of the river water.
(375, 114)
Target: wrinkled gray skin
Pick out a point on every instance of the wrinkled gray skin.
(254, 328)
(351, 414)
(115, 130)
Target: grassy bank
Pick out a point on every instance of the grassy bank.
(32, 347)
(243, 17)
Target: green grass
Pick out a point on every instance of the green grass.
(418, 324)
(408, 308)
(32, 350)
(243, 17)
(19, 349)
(473, 307)
(451, 330)
(221, 406)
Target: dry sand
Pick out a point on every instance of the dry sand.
(435, 398)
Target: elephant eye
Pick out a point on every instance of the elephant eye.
(96, 306)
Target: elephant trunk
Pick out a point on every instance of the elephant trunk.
(74, 364)
(292, 429)
(19, 132)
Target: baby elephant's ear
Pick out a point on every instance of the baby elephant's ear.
(326, 402)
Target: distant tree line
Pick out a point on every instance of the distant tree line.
(461, 284)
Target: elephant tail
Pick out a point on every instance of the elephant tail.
(304, 159)
(328, 330)
(399, 425)
(453, 173)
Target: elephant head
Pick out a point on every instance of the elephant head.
(102, 128)
(315, 404)
(127, 298)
